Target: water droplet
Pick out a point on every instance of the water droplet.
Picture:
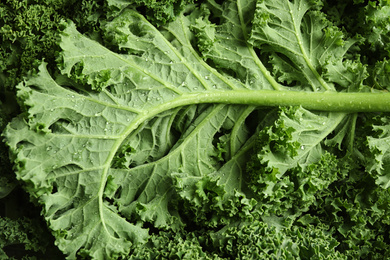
(171, 62)
(105, 129)
(214, 86)
(206, 77)
(158, 99)
(195, 88)
(128, 119)
(72, 96)
(146, 59)
(76, 156)
(48, 148)
(302, 147)
(51, 110)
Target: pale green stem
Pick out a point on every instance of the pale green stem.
(324, 101)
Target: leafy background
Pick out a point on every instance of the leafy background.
(30, 32)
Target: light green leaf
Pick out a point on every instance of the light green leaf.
(303, 45)
(296, 138)
(379, 146)
(99, 145)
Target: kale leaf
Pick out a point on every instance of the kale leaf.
(232, 131)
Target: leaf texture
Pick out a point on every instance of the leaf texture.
(130, 130)
(67, 148)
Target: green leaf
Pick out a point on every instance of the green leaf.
(6, 186)
(295, 138)
(106, 145)
(291, 163)
(381, 75)
(257, 240)
(303, 45)
(158, 12)
(380, 147)
(24, 238)
(377, 19)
